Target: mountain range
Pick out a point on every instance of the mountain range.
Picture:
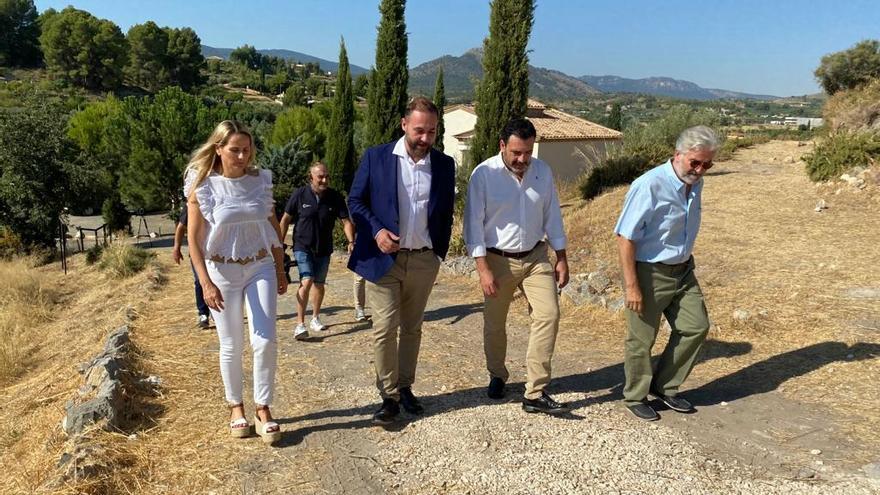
(326, 65)
(665, 86)
(460, 75)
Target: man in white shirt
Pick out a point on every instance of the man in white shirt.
(512, 207)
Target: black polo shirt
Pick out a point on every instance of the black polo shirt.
(313, 219)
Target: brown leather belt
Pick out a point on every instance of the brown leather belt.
(416, 250)
(517, 256)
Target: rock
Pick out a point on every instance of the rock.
(815, 452)
(788, 159)
(741, 314)
(616, 305)
(872, 470)
(598, 282)
(805, 474)
(863, 293)
(820, 205)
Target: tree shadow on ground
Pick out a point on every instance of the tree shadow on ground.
(607, 380)
(325, 311)
(457, 312)
(769, 374)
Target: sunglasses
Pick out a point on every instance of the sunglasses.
(697, 163)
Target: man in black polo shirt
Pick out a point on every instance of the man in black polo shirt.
(313, 210)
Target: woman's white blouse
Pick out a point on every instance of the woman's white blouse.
(237, 213)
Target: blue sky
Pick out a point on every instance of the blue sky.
(756, 46)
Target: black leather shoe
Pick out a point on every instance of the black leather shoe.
(496, 388)
(643, 411)
(675, 403)
(409, 402)
(387, 413)
(544, 404)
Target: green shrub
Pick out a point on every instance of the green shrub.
(115, 215)
(614, 172)
(10, 243)
(643, 147)
(121, 260)
(93, 254)
(840, 152)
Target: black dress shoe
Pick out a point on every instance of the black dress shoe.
(643, 411)
(496, 388)
(409, 401)
(675, 403)
(544, 404)
(387, 413)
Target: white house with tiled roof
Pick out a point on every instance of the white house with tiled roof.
(569, 144)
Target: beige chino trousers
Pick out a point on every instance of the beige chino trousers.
(536, 276)
(398, 301)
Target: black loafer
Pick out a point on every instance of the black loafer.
(496, 388)
(675, 403)
(643, 411)
(409, 402)
(387, 413)
(544, 404)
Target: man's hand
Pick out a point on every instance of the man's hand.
(388, 243)
(634, 299)
(488, 283)
(175, 255)
(561, 272)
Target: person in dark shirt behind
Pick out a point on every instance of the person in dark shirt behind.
(313, 210)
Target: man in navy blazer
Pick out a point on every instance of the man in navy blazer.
(401, 201)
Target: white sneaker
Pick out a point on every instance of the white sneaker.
(316, 326)
(203, 321)
(300, 332)
(359, 314)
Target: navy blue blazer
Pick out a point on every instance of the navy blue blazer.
(372, 203)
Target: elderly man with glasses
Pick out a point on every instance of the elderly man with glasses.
(655, 237)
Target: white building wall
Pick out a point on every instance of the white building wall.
(570, 159)
(456, 122)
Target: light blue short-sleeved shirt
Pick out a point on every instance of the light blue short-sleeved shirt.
(659, 219)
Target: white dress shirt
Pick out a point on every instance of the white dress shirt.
(413, 193)
(510, 215)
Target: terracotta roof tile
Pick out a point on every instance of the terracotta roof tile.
(551, 124)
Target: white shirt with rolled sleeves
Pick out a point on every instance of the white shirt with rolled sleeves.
(510, 215)
(413, 193)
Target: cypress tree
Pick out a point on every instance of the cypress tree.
(615, 119)
(503, 93)
(340, 141)
(387, 95)
(440, 101)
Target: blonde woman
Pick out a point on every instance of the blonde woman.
(236, 251)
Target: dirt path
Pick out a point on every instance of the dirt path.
(751, 434)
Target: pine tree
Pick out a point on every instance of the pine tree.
(440, 101)
(340, 143)
(387, 95)
(503, 93)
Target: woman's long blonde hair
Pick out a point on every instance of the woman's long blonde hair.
(206, 160)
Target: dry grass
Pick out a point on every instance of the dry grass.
(854, 110)
(26, 302)
(763, 248)
(88, 305)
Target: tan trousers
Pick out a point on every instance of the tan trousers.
(360, 291)
(398, 301)
(536, 276)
